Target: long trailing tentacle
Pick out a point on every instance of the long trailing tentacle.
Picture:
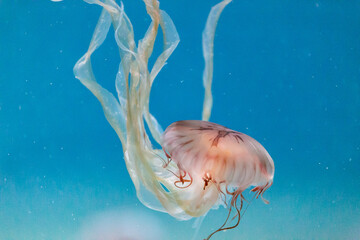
(238, 209)
(233, 204)
(208, 52)
(133, 83)
(220, 228)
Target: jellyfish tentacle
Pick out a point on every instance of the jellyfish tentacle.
(238, 210)
(236, 194)
(260, 190)
(166, 153)
(228, 192)
(176, 183)
(165, 162)
(243, 198)
(208, 52)
(223, 195)
(219, 229)
(182, 176)
(182, 179)
(171, 40)
(168, 156)
(263, 191)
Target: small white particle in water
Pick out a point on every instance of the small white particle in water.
(29, 212)
(61, 148)
(19, 107)
(181, 81)
(44, 147)
(291, 149)
(52, 201)
(350, 159)
(319, 163)
(51, 84)
(327, 168)
(336, 85)
(9, 154)
(61, 51)
(56, 0)
(57, 68)
(317, 5)
(5, 179)
(41, 186)
(247, 128)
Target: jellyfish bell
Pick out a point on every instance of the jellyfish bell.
(220, 158)
(212, 152)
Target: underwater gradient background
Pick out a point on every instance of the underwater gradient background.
(286, 73)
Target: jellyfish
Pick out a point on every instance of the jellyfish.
(220, 158)
(200, 164)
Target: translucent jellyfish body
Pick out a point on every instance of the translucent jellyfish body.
(201, 163)
(218, 157)
(209, 151)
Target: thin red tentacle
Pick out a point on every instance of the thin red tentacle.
(235, 194)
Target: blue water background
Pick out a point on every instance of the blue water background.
(286, 73)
